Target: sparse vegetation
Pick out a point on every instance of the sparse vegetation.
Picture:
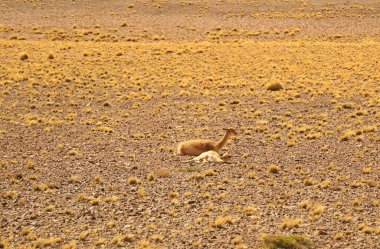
(291, 241)
(133, 180)
(94, 99)
(289, 223)
(274, 169)
(23, 56)
(273, 86)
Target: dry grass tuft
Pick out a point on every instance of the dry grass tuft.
(338, 236)
(42, 242)
(291, 241)
(162, 173)
(288, 223)
(273, 86)
(133, 180)
(40, 187)
(220, 221)
(23, 56)
(274, 169)
(70, 245)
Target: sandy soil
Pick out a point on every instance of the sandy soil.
(96, 95)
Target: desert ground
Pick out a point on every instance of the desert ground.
(96, 95)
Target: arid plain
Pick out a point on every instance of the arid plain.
(96, 95)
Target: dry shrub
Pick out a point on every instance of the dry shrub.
(133, 180)
(273, 86)
(291, 241)
(288, 223)
(162, 173)
(273, 169)
(23, 56)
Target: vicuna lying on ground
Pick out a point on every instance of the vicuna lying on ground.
(209, 156)
(197, 147)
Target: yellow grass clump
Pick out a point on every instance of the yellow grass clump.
(274, 169)
(288, 223)
(286, 241)
(133, 180)
(23, 56)
(273, 86)
(220, 221)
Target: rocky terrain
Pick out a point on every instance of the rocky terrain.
(96, 95)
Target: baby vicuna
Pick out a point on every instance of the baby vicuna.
(197, 147)
(208, 156)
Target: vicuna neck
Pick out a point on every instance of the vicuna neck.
(223, 141)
